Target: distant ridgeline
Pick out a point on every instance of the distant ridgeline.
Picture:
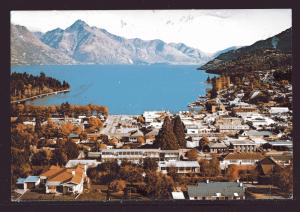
(274, 53)
(24, 85)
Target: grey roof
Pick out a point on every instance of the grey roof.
(241, 142)
(258, 133)
(217, 145)
(210, 189)
(31, 179)
(21, 180)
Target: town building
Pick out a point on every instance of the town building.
(217, 147)
(28, 183)
(181, 167)
(241, 145)
(216, 191)
(241, 159)
(64, 180)
(135, 155)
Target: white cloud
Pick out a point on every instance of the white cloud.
(208, 30)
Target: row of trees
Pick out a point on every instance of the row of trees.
(63, 109)
(21, 82)
(171, 135)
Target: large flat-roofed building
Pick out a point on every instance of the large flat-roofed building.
(135, 155)
(216, 191)
(181, 167)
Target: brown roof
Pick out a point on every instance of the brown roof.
(244, 156)
(62, 177)
(52, 172)
(267, 169)
(76, 179)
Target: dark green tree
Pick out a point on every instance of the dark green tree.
(71, 150)
(179, 131)
(166, 138)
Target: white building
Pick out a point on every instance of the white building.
(182, 167)
(135, 155)
(276, 110)
(241, 159)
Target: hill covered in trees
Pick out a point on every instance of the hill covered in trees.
(272, 53)
(24, 85)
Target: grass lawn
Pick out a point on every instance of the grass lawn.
(94, 193)
(265, 192)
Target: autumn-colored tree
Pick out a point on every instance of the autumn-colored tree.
(131, 173)
(141, 140)
(118, 185)
(158, 186)
(233, 172)
(102, 146)
(210, 168)
(150, 164)
(192, 154)
(203, 142)
(67, 128)
(284, 178)
(95, 122)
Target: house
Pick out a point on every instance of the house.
(191, 129)
(192, 143)
(277, 110)
(242, 145)
(134, 135)
(245, 110)
(266, 169)
(230, 124)
(241, 158)
(257, 134)
(87, 163)
(150, 136)
(216, 191)
(64, 180)
(181, 167)
(258, 120)
(50, 173)
(28, 183)
(267, 166)
(217, 147)
(281, 158)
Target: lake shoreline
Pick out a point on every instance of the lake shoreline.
(40, 96)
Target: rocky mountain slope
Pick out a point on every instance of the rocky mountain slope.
(27, 49)
(88, 44)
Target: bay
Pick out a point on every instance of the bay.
(125, 89)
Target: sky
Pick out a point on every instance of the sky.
(207, 30)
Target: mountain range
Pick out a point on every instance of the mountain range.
(272, 53)
(83, 44)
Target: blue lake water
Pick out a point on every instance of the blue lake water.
(125, 89)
